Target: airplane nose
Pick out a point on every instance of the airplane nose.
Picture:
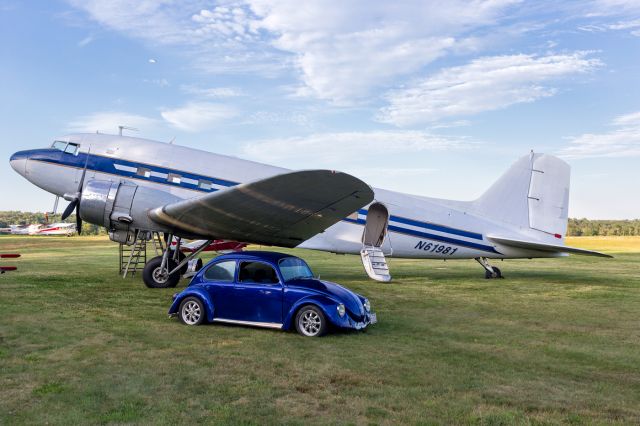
(19, 161)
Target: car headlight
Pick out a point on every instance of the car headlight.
(341, 310)
(367, 305)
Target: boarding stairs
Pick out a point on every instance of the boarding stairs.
(375, 264)
(133, 257)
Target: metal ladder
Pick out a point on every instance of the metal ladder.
(133, 258)
(375, 263)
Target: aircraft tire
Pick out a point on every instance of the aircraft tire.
(152, 277)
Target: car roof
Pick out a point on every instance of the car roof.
(269, 256)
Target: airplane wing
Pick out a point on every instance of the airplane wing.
(282, 210)
(556, 248)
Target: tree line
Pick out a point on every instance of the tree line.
(588, 228)
(577, 227)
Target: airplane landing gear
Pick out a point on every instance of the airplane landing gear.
(155, 275)
(165, 271)
(490, 271)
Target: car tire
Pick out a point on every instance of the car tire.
(310, 321)
(152, 277)
(191, 311)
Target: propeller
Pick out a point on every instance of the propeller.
(75, 199)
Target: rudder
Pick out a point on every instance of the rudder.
(533, 193)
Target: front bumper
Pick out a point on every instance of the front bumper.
(369, 318)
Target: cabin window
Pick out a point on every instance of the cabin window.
(257, 272)
(61, 145)
(173, 178)
(142, 171)
(221, 271)
(72, 148)
(203, 184)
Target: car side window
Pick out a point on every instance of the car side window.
(257, 272)
(221, 271)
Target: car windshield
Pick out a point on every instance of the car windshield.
(293, 268)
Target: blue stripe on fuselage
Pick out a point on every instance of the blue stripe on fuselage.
(102, 164)
(429, 236)
(99, 163)
(432, 226)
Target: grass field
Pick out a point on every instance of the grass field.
(557, 341)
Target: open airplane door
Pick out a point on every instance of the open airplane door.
(374, 236)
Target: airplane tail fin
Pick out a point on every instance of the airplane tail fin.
(532, 194)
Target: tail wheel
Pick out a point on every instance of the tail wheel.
(310, 321)
(154, 276)
(191, 311)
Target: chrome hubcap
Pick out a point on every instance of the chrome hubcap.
(191, 312)
(309, 323)
(160, 275)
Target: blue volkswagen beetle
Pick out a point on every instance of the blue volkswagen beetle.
(269, 289)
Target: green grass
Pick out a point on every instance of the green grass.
(557, 341)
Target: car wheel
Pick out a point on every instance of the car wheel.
(191, 311)
(154, 277)
(310, 321)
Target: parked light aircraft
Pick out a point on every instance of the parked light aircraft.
(135, 186)
(61, 228)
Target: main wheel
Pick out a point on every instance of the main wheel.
(310, 321)
(154, 277)
(191, 311)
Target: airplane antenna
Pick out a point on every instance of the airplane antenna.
(172, 140)
(121, 128)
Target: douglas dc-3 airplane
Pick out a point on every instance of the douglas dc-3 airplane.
(134, 187)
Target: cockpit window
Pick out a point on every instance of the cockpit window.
(71, 148)
(68, 147)
(59, 145)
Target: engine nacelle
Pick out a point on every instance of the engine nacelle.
(122, 207)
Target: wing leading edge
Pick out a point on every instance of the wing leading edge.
(555, 248)
(283, 210)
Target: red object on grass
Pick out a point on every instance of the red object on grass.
(9, 256)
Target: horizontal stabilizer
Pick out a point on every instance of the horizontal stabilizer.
(554, 248)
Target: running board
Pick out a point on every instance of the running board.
(253, 323)
(375, 264)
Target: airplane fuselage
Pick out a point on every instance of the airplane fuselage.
(418, 227)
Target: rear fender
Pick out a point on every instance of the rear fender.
(326, 304)
(198, 292)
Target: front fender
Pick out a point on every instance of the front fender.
(326, 304)
(198, 292)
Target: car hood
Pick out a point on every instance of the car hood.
(351, 300)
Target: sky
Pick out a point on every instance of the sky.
(435, 98)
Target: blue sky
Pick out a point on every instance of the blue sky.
(430, 98)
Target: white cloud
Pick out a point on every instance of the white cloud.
(350, 147)
(212, 92)
(341, 51)
(345, 50)
(85, 41)
(623, 141)
(198, 116)
(108, 122)
(485, 84)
